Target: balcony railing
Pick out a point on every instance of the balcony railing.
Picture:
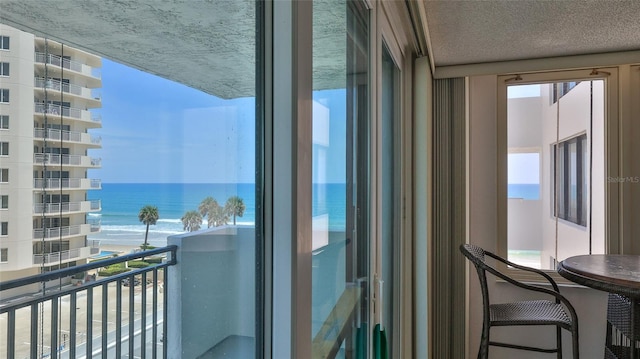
(67, 183)
(61, 62)
(69, 160)
(71, 112)
(57, 85)
(57, 257)
(66, 207)
(66, 231)
(71, 136)
(96, 318)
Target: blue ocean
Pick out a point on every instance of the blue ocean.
(524, 191)
(121, 203)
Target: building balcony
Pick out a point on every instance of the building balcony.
(209, 305)
(65, 256)
(92, 95)
(66, 232)
(68, 136)
(66, 160)
(108, 320)
(67, 65)
(66, 207)
(67, 183)
(69, 113)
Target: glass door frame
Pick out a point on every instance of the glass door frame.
(288, 172)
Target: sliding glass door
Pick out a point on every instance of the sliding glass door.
(340, 264)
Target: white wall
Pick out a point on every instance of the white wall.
(590, 304)
(575, 114)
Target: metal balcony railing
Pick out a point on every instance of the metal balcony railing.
(60, 86)
(59, 61)
(67, 183)
(66, 207)
(71, 136)
(57, 232)
(106, 319)
(71, 112)
(69, 160)
(56, 257)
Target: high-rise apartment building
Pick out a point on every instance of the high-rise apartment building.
(47, 92)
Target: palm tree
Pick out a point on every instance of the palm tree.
(218, 217)
(235, 207)
(148, 215)
(192, 220)
(207, 208)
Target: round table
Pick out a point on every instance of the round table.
(617, 274)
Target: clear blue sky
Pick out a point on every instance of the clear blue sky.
(158, 131)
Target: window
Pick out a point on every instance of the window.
(4, 255)
(4, 42)
(4, 228)
(4, 201)
(570, 174)
(4, 95)
(4, 122)
(4, 175)
(553, 197)
(4, 69)
(4, 148)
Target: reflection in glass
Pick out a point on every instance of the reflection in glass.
(340, 179)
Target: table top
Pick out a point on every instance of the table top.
(608, 272)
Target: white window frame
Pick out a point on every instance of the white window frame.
(613, 241)
(4, 175)
(4, 122)
(4, 255)
(4, 225)
(2, 201)
(4, 98)
(3, 66)
(4, 146)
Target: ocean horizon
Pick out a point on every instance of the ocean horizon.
(121, 203)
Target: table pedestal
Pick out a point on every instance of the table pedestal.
(621, 313)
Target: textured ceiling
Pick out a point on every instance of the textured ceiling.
(469, 32)
(208, 45)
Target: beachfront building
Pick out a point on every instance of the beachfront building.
(48, 91)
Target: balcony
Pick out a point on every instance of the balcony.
(210, 305)
(64, 256)
(66, 207)
(67, 183)
(58, 61)
(68, 136)
(93, 95)
(66, 232)
(70, 113)
(97, 317)
(66, 160)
